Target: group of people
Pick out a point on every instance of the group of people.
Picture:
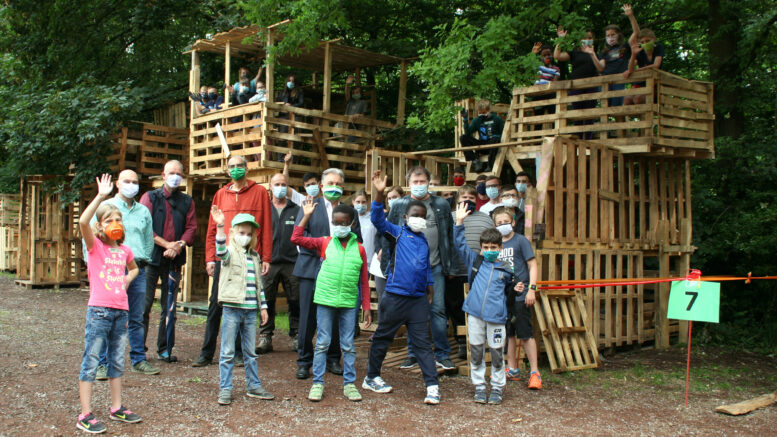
(420, 247)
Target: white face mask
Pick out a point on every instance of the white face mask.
(129, 190)
(341, 231)
(416, 224)
(505, 229)
(173, 180)
(612, 40)
(509, 202)
(243, 240)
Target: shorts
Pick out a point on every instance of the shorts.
(519, 323)
(104, 326)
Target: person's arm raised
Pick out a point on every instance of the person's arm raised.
(104, 188)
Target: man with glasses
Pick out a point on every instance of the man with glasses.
(493, 185)
(240, 196)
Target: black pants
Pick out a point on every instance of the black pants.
(472, 155)
(395, 311)
(454, 299)
(167, 315)
(585, 104)
(213, 323)
(307, 327)
(280, 273)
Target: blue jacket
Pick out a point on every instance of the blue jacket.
(308, 261)
(487, 299)
(409, 272)
(442, 213)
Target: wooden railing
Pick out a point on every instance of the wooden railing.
(394, 165)
(675, 119)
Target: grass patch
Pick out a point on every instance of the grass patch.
(196, 379)
(7, 275)
(281, 322)
(192, 320)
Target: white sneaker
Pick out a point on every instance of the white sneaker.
(376, 384)
(432, 395)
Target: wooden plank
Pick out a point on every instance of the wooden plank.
(402, 94)
(749, 405)
(327, 102)
(569, 192)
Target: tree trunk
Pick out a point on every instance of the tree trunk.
(724, 34)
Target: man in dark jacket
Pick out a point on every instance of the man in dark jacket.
(284, 255)
(306, 270)
(174, 223)
(439, 234)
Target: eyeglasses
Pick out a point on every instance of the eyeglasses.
(509, 196)
(231, 166)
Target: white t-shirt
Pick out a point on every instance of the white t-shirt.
(488, 207)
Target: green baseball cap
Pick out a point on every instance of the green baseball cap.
(244, 218)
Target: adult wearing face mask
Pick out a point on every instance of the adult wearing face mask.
(174, 223)
(240, 196)
(523, 184)
(438, 230)
(306, 269)
(493, 186)
(284, 255)
(139, 236)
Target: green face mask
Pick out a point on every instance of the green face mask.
(332, 192)
(237, 173)
(648, 45)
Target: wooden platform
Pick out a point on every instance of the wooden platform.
(193, 308)
(31, 285)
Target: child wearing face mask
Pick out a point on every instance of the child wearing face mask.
(516, 253)
(341, 281)
(111, 267)
(614, 59)
(582, 67)
(645, 55)
(240, 294)
(490, 282)
(408, 296)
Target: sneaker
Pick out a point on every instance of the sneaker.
(480, 395)
(239, 361)
(376, 384)
(260, 392)
(90, 424)
(166, 357)
(303, 372)
(512, 374)
(409, 363)
(102, 373)
(446, 364)
(202, 362)
(462, 352)
(145, 368)
(350, 392)
(495, 398)
(316, 392)
(432, 395)
(334, 368)
(535, 381)
(225, 397)
(265, 345)
(125, 415)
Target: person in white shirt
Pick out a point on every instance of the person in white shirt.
(493, 186)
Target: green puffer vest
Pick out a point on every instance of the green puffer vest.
(337, 284)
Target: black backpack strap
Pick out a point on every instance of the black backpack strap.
(393, 248)
(475, 268)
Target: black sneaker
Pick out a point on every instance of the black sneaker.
(446, 364)
(265, 345)
(409, 363)
(125, 415)
(239, 361)
(334, 368)
(90, 424)
(202, 362)
(303, 372)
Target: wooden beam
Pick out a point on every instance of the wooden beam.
(402, 94)
(269, 69)
(227, 66)
(327, 105)
(321, 148)
(194, 81)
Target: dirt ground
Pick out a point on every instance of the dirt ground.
(639, 392)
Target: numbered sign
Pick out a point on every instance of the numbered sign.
(695, 300)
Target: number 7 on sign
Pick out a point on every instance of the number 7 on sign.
(694, 295)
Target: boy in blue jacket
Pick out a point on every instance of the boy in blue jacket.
(486, 306)
(408, 296)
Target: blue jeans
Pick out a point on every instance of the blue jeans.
(438, 319)
(106, 329)
(234, 320)
(326, 317)
(136, 298)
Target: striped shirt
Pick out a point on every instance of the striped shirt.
(251, 280)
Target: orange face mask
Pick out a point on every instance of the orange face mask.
(114, 231)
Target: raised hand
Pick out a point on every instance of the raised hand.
(378, 182)
(589, 49)
(217, 215)
(636, 48)
(561, 32)
(104, 185)
(627, 11)
(308, 206)
(536, 48)
(349, 79)
(287, 158)
(461, 212)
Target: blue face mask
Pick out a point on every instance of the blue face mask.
(490, 255)
(492, 192)
(279, 192)
(481, 187)
(290, 85)
(360, 209)
(312, 190)
(392, 202)
(341, 231)
(419, 190)
(521, 187)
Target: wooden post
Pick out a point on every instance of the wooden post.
(327, 104)
(33, 228)
(269, 71)
(227, 65)
(402, 94)
(315, 79)
(194, 81)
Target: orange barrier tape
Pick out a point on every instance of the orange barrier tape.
(692, 275)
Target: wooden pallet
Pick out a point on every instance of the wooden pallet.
(9, 247)
(9, 209)
(193, 308)
(32, 285)
(566, 331)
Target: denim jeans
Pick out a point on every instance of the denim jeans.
(326, 317)
(438, 319)
(106, 329)
(234, 320)
(136, 298)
